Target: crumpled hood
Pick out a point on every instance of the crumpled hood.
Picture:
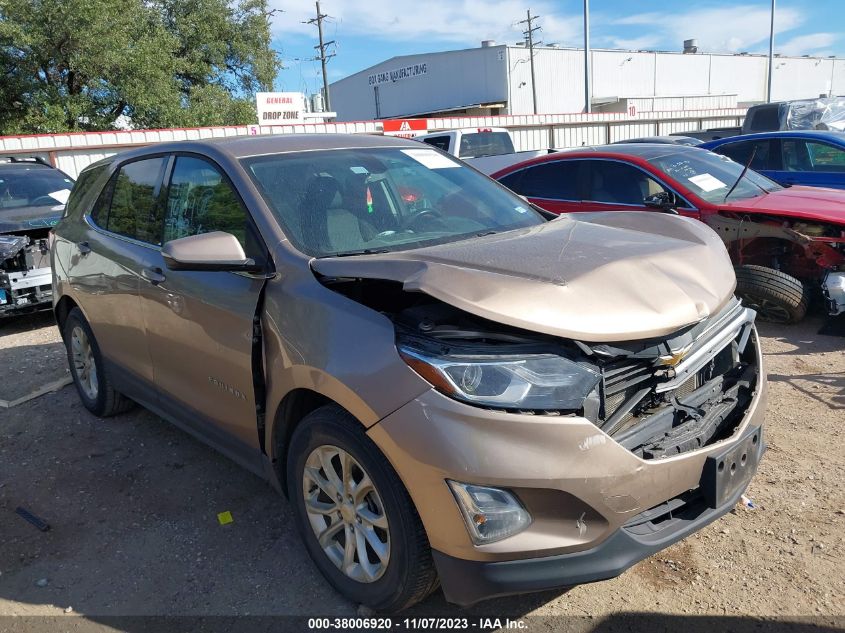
(806, 203)
(601, 277)
(19, 219)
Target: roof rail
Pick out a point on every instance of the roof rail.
(24, 159)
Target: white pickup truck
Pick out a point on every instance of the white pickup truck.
(488, 149)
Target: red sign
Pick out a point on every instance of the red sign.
(406, 128)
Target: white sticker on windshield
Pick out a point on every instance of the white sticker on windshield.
(430, 158)
(520, 209)
(61, 195)
(707, 182)
(355, 169)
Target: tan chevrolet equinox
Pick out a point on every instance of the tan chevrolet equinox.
(450, 386)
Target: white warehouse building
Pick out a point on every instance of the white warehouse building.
(496, 79)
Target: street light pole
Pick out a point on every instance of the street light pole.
(587, 89)
(771, 53)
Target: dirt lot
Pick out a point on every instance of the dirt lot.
(133, 505)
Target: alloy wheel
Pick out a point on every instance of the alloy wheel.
(346, 513)
(84, 365)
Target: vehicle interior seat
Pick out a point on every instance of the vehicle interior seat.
(327, 226)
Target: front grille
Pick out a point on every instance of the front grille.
(656, 410)
(620, 382)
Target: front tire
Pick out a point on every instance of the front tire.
(357, 520)
(776, 296)
(87, 369)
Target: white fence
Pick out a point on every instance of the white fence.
(73, 152)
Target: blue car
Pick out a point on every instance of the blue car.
(800, 157)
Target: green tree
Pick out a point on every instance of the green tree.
(70, 65)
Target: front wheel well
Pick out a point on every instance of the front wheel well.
(294, 407)
(62, 309)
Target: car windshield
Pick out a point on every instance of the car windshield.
(711, 176)
(352, 201)
(36, 187)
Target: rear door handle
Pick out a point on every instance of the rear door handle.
(154, 275)
(84, 248)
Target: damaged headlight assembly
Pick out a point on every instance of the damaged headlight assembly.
(527, 382)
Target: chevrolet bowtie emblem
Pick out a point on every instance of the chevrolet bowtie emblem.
(675, 358)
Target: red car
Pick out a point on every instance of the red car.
(786, 243)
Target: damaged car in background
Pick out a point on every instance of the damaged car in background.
(32, 198)
(787, 243)
(451, 386)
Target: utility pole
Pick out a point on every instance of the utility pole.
(529, 36)
(588, 96)
(771, 53)
(322, 46)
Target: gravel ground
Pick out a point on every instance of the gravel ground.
(133, 506)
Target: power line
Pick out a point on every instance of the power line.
(529, 38)
(323, 57)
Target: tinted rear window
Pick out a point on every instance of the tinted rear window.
(556, 181)
(475, 144)
(134, 210)
(83, 186)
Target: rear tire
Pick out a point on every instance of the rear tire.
(776, 296)
(399, 570)
(87, 369)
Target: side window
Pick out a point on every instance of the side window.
(513, 181)
(795, 156)
(556, 180)
(440, 142)
(826, 157)
(618, 183)
(83, 186)
(135, 210)
(200, 200)
(741, 152)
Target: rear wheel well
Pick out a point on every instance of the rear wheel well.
(293, 408)
(62, 309)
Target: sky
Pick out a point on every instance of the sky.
(370, 31)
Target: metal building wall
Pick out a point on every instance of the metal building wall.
(453, 79)
(456, 79)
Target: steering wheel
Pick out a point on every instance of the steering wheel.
(425, 214)
(43, 200)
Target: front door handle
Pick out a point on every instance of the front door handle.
(154, 275)
(84, 248)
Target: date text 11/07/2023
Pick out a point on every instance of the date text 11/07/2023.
(423, 623)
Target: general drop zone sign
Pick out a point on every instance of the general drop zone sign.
(406, 72)
(279, 108)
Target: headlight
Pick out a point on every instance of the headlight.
(532, 381)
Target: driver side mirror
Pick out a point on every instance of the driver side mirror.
(662, 200)
(217, 251)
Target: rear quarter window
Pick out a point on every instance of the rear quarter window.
(84, 185)
(129, 205)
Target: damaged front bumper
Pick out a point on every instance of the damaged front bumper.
(598, 504)
(25, 275)
(466, 582)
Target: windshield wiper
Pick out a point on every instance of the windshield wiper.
(363, 251)
(744, 171)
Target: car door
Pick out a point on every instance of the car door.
(765, 152)
(614, 185)
(200, 324)
(811, 163)
(555, 186)
(104, 269)
(824, 164)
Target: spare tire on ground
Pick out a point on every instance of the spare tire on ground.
(776, 296)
